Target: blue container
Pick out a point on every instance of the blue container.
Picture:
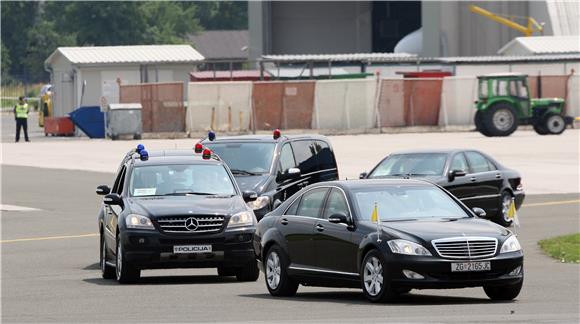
(90, 120)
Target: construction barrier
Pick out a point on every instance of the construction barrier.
(287, 105)
(223, 106)
(162, 103)
(391, 103)
(457, 101)
(573, 98)
(345, 104)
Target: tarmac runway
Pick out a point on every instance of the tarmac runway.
(50, 271)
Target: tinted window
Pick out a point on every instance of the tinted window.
(406, 202)
(324, 156)
(311, 203)
(305, 154)
(286, 158)
(118, 186)
(459, 163)
(250, 157)
(411, 164)
(294, 207)
(335, 204)
(478, 162)
(177, 179)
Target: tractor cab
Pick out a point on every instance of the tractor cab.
(504, 102)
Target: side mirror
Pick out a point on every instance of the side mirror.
(338, 218)
(276, 204)
(455, 173)
(363, 175)
(292, 173)
(103, 190)
(479, 212)
(113, 199)
(249, 196)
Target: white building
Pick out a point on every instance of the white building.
(89, 76)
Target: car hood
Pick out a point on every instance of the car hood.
(437, 179)
(255, 183)
(431, 229)
(184, 205)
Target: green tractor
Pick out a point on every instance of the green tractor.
(504, 103)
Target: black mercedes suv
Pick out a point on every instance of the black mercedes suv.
(175, 209)
(275, 166)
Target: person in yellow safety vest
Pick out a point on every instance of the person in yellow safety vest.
(21, 115)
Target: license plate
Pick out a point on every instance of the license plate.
(180, 249)
(470, 266)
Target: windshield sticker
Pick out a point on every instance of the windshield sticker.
(144, 191)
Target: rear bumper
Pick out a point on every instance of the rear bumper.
(437, 272)
(154, 250)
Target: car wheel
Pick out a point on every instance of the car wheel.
(554, 124)
(507, 292)
(226, 272)
(500, 120)
(375, 284)
(248, 273)
(479, 126)
(502, 216)
(125, 272)
(107, 272)
(276, 270)
(540, 129)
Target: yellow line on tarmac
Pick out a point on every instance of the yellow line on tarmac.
(550, 203)
(48, 238)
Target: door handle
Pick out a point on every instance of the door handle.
(472, 179)
(301, 185)
(284, 221)
(498, 175)
(319, 227)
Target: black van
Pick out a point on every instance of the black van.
(275, 166)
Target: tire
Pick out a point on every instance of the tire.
(501, 216)
(248, 273)
(479, 126)
(107, 272)
(554, 124)
(114, 137)
(124, 271)
(276, 273)
(226, 272)
(540, 129)
(508, 292)
(374, 281)
(500, 120)
(137, 136)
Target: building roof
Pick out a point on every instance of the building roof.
(540, 45)
(369, 57)
(140, 54)
(222, 44)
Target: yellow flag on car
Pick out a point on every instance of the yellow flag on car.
(513, 214)
(375, 219)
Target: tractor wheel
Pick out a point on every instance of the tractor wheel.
(554, 124)
(500, 120)
(539, 128)
(478, 121)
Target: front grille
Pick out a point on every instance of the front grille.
(192, 224)
(466, 247)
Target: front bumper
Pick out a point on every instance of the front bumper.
(154, 250)
(437, 272)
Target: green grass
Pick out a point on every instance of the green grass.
(564, 248)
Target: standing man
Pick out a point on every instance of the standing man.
(21, 116)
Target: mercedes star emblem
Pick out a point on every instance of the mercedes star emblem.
(191, 224)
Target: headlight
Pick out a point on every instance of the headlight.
(245, 218)
(138, 221)
(259, 203)
(510, 245)
(407, 247)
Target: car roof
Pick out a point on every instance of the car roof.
(366, 183)
(175, 157)
(265, 138)
(445, 151)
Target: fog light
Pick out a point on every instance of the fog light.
(516, 272)
(412, 274)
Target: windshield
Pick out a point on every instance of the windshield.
(180, 179)
(245, 158)
(406, 203)
(419, 164)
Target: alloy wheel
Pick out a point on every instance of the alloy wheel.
(505, 207)
(273, 270)
(555, 124)
(373, 276)
(503, 119)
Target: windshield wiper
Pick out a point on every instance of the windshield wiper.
(399, 220)
(185, 193)
(239, 171)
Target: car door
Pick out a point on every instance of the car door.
(461, 187)
(286, 187)
(305, 153)
(297, 227)
(334, 244)
(487, 181)
(325, 161)
(112, 212)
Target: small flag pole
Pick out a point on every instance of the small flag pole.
(377, 220)
(513, 214)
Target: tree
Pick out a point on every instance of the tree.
(16, 20)
(223, 15)
(169, 22)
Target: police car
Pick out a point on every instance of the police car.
(175, 209)
(275, 166)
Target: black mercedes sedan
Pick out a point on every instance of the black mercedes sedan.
(387, 237)
(474, 177)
